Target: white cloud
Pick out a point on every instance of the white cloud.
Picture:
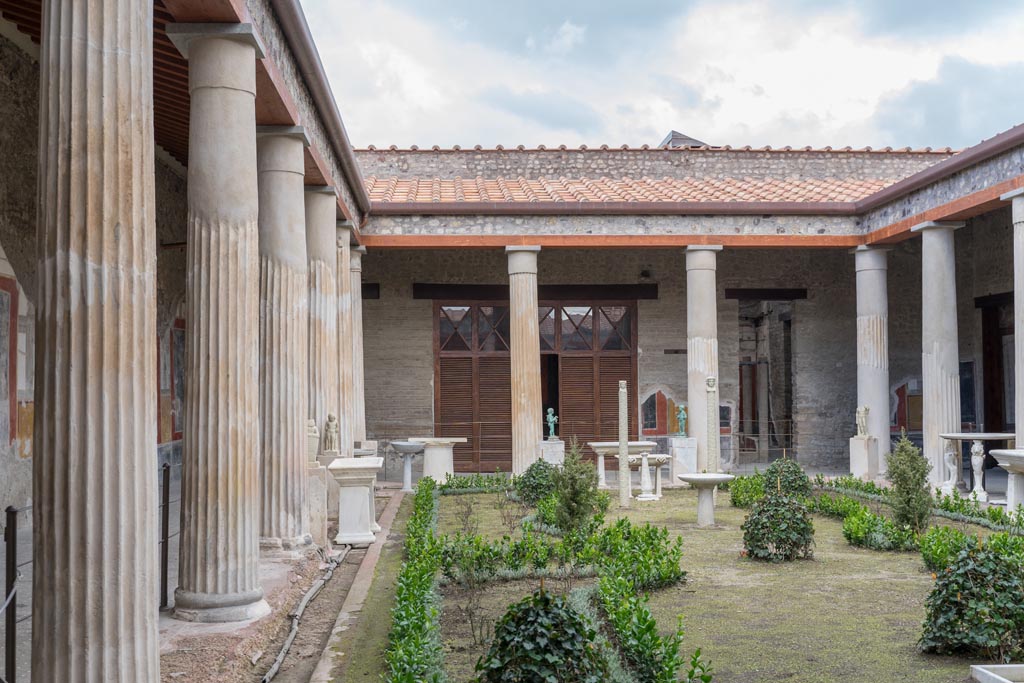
(568, 36)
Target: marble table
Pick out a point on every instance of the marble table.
(604, 448)
(978, 440)
(438, 455)
(408, 450)
(643, 463)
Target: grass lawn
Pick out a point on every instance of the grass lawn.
(848, 615)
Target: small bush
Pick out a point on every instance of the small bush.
(547, 509)
(838, 506)
(643, 554)
(908, 472)
(778, 529)
(746, 490)
(941, 544)
(653, 658)
(474, 483)
(786, 477)
(1009, 546)
(868, 530)
(536, 482)
(541, 639)
(576, 485)
(976, 607)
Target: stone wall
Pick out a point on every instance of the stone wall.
(637, 163)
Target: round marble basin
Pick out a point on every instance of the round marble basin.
(705, 480)
(407, 447)
(408, 450)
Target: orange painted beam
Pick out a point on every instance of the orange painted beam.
(211, 11)
(965, 207)
(606, 241)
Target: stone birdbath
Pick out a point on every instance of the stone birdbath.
(705, 483)
(438, 455)
(606, 448)
(1012, 460)
(408, 450)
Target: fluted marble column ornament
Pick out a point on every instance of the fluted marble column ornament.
(871, 264)
(346, 399)
(321, 245)
(284, 330)
(625, 479)
(219, 561)
(525, 356)
(358, 376)
(701, 343)
(95, 574)
(940, 356)
(1015, 481)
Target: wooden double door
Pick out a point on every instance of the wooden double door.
(587, 347)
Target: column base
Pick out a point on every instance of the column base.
(209, 609)
(296, 543)
(356, 540)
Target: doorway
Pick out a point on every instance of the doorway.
(765, 425)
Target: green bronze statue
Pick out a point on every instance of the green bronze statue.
(552, 420)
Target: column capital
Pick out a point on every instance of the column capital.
(281, 151)
(1012, 194)
(702, 257)
(321, 189)
(871, 258)
(938, 225)
(522, 259)
(704, 247)
(296, 132)
(182, 35)
(344, 229)
(356, 258)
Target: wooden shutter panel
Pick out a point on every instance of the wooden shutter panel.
(576, 395)
(494, 413)
(455, 407)
(612, 370)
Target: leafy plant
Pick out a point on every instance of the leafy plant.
(838, 506)
(786, 477)
(541, 639)
(746, 490)
(547, 510)
(642, 554)
(474, 483)
(941, 544)
(957, 504)
(865, 529)
(778, 529)
(976, 607)
(908, 472)
(576, 485)
(536, 482)
(653, 658)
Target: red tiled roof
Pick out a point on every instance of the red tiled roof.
(437, 190)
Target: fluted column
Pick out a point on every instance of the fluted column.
(219, 561)
(940, 356)
(358, 378)
(345, 392)
(95, 575)
(873, 342)
(701, 345)
(525, 356)
(284, 330)
(1015, 480)
(321, 244)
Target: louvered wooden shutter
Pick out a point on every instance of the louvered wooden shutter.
(611, 370)
(576, 395)
(494, 413)
(455, 408)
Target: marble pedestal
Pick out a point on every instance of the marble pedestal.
(1012, 460)
(683, 450)
(408, 450)
(318, 477)
(864, 457)
(325, 459)
(706, 483)
(355, 484)
(552, 451)
(438, 456)
(366, 453)
(611, 448)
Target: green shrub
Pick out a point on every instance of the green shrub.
(838, 506)
(746, 490)
(976, 607)
(653, 658)
(542, 640)
(778, 529)
(643, 554)
(536, 482)
(786, 477)
(958, 505)
(576, 485)
(941, 544)
(848, 482)
(865, 529)
(474, 483)
(547, 508)
(908, 472)
(1009, 546)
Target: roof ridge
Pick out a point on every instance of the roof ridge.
(646, 148)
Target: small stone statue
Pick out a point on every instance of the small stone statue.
(552, 420)
(862, 421)
(681, 419)
(312, 439)
(332, 444)
(952, 464)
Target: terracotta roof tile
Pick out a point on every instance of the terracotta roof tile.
(437, 190)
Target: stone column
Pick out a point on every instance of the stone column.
(873, 343)
(525, 360)
(94, 590)
(321, 245)
(1015, 482)
(358, 377)
(284, 329)
(343, 233)
(701, 342)
(940, 359)
(219, 561)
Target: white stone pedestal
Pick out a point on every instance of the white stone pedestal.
(326, 459)
(366, 453)
(683, 450)
(864, 457)
(552, 451)
(355, 484)
(319, 483)
(1012, 460)
(408, 450)
(438, 457)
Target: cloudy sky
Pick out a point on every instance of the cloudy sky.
(746, 72)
